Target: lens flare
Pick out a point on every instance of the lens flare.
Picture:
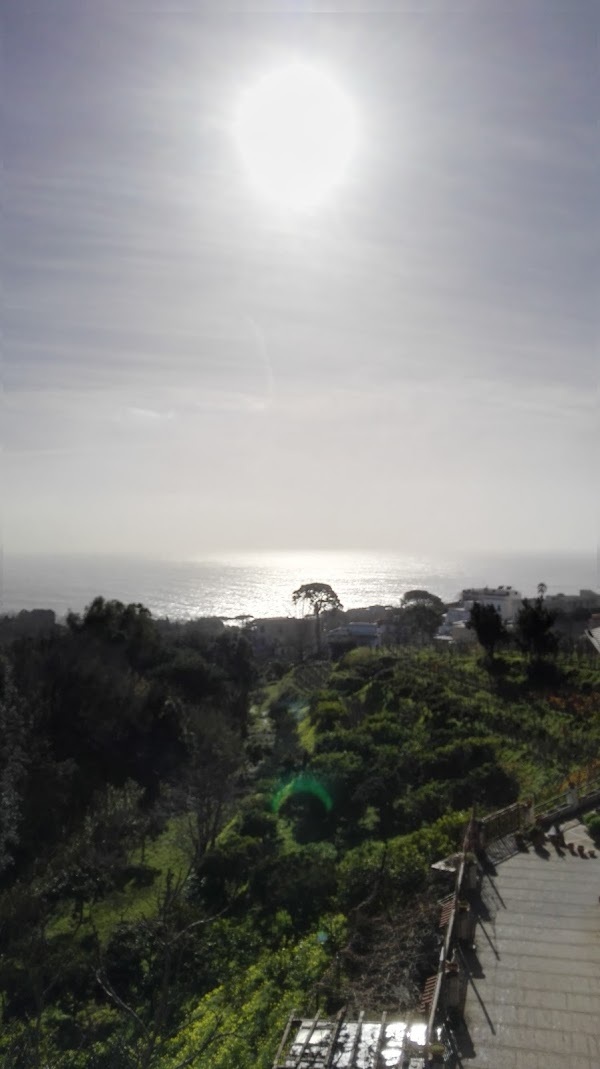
(304, 783)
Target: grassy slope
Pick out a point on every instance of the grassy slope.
(461, 676)
(166, 853)
(524, 720)
(507, 710)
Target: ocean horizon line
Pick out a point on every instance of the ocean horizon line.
(261, 585)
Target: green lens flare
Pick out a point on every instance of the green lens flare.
(302, 784)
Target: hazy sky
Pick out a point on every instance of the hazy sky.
(412, 364)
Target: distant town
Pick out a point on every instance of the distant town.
(421, 618)
(577, 620)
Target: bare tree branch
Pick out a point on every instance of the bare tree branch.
(112, 994)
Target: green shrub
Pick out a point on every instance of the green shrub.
(592, 822)
(398, 869)
(327, 711)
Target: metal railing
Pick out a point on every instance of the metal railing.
(511, 819)
(506, 821)
(581, 788)
(445, 950)
(573, 799)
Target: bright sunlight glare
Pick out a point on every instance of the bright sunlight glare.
(296, 131)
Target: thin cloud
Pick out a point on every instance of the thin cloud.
(431, 334)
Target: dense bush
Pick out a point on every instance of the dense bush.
(593, 825)
(180, 871)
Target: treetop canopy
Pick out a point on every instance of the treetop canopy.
(319, 596)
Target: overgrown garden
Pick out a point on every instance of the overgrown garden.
(188, 851)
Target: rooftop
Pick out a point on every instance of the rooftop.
(533, 994)
(361, 1044)
(494, 591)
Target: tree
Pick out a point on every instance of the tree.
(418, 618)
(233, 655)
(418, 624)
(320, 597)
(147, 957)
(424, 598)
(13, 765)
(486, 622)
(208, 786)
(534, 627)
(112, 622)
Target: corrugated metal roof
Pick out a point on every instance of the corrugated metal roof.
(324, 1044)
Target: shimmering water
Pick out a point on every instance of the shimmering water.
(261, 584)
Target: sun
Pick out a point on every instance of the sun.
(296, 131)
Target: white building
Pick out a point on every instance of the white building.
(454, 625)
(505, 600)
(454, 628)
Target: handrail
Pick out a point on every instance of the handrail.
(561, 801)
(579, 779)
(584, 790)
(448, 937)
(517, 810)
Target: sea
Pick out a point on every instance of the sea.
(261, 584)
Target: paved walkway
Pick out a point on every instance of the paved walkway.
(533, 999)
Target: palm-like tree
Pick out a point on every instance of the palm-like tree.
(320, 596)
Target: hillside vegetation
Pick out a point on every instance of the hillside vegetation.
(188, 852)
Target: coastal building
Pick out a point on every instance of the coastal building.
(505, 599)
(282, 636)
(584, 600)
(296, 637)
(454, 626)
(355, 633)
